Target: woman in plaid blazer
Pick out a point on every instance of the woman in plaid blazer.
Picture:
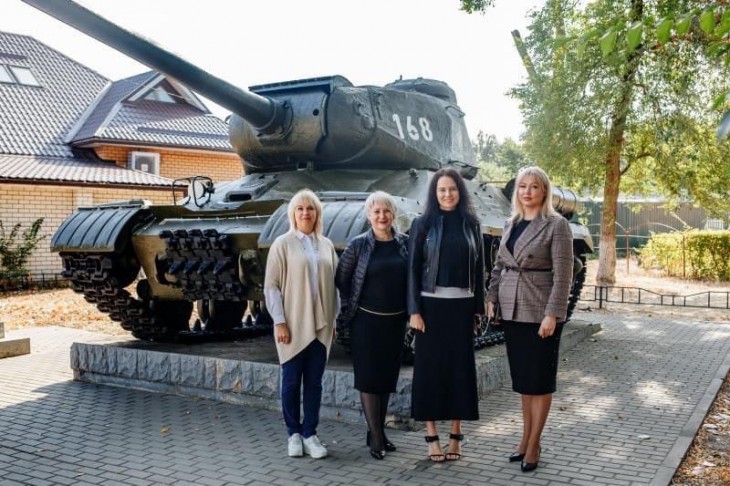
(531, 281)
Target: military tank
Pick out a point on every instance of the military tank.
(209, 249)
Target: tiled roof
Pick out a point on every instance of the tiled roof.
(35, 120)
(57, 169)
(117, 119)
(72, 101)
(116, 92)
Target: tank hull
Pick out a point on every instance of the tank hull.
(212, 253)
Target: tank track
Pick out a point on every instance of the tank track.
(97, 277)
(203, 263)
(577, 287)
(93, 276)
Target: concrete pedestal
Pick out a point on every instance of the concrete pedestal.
(247, 373)
(12, 347)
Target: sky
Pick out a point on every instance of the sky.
(370, 42)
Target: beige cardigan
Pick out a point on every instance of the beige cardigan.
(287, 269)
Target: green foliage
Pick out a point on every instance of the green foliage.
(471, 6)
(498, 161)
(14, 254)
(692, 254)
(601, 73)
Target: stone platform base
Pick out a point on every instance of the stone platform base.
(247, 373)
(14, 347)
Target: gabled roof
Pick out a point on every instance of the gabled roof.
(73, 106)
(35, 120)
(24, 168)
(122, 114)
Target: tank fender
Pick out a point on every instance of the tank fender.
(343, 220)
(101, 229)
(582, 240)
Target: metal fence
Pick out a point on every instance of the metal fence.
(34, 281)
(636, 295)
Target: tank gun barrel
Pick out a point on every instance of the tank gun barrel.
(267, 115)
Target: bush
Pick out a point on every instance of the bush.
(13, 254)
(691, 254)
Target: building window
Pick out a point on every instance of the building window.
(160, 94)
(145, 161)
(17, 75)
(24, 76)
(5, 76)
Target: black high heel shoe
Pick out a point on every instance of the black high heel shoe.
(516, 456)
(454, 456)
(389, 446)
(530, 466)
(380, 455)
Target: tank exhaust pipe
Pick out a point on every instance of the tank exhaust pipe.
(266, 115)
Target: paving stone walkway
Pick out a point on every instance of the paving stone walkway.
(629, 402)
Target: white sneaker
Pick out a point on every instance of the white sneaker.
(314, 447)
(295, 446)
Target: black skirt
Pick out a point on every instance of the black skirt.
(533, 361)
(444, 372)
(377, 348)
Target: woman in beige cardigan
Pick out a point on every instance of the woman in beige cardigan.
(531, 281)
(300, 295)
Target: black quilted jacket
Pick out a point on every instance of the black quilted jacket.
(352, 268)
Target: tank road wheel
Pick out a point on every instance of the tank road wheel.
(221, 315)
(262, 318)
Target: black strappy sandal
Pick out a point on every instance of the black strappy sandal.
(434, 457)
(454, 456)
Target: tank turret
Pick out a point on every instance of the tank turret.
(326, 134)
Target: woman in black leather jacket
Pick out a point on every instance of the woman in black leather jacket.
(371, 277)
(445, 293)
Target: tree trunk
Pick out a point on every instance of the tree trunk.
(606, 274)
(607, 247)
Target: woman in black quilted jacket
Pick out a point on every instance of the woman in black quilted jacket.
(371, 277)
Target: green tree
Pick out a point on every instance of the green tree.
(498, 161)
(619, 98)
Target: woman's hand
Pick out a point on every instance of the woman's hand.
(547, 326)
(416, 323)
(490, 311)
(281, 333)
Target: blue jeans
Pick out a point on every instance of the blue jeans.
(306, 367)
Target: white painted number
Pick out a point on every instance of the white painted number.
(413, 131)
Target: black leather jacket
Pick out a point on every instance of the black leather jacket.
(423, 262)
(352, 268)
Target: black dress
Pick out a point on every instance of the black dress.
(533, 361)
(444, 371)
(379, 325)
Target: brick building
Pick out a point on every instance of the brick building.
(70, 137)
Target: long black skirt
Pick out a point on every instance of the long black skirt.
(377, 348)
(533, 361)
(444, 372)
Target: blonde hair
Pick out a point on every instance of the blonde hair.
(381, 197)
(547, 209)
(305, 196)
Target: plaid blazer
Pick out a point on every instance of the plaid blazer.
(525, 295)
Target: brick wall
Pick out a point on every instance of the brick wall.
(24, 203)
(174, 164)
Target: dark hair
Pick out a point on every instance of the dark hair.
(464, 206)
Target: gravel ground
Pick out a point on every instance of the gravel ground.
(707, 462)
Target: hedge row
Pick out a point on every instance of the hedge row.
(692, 254)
